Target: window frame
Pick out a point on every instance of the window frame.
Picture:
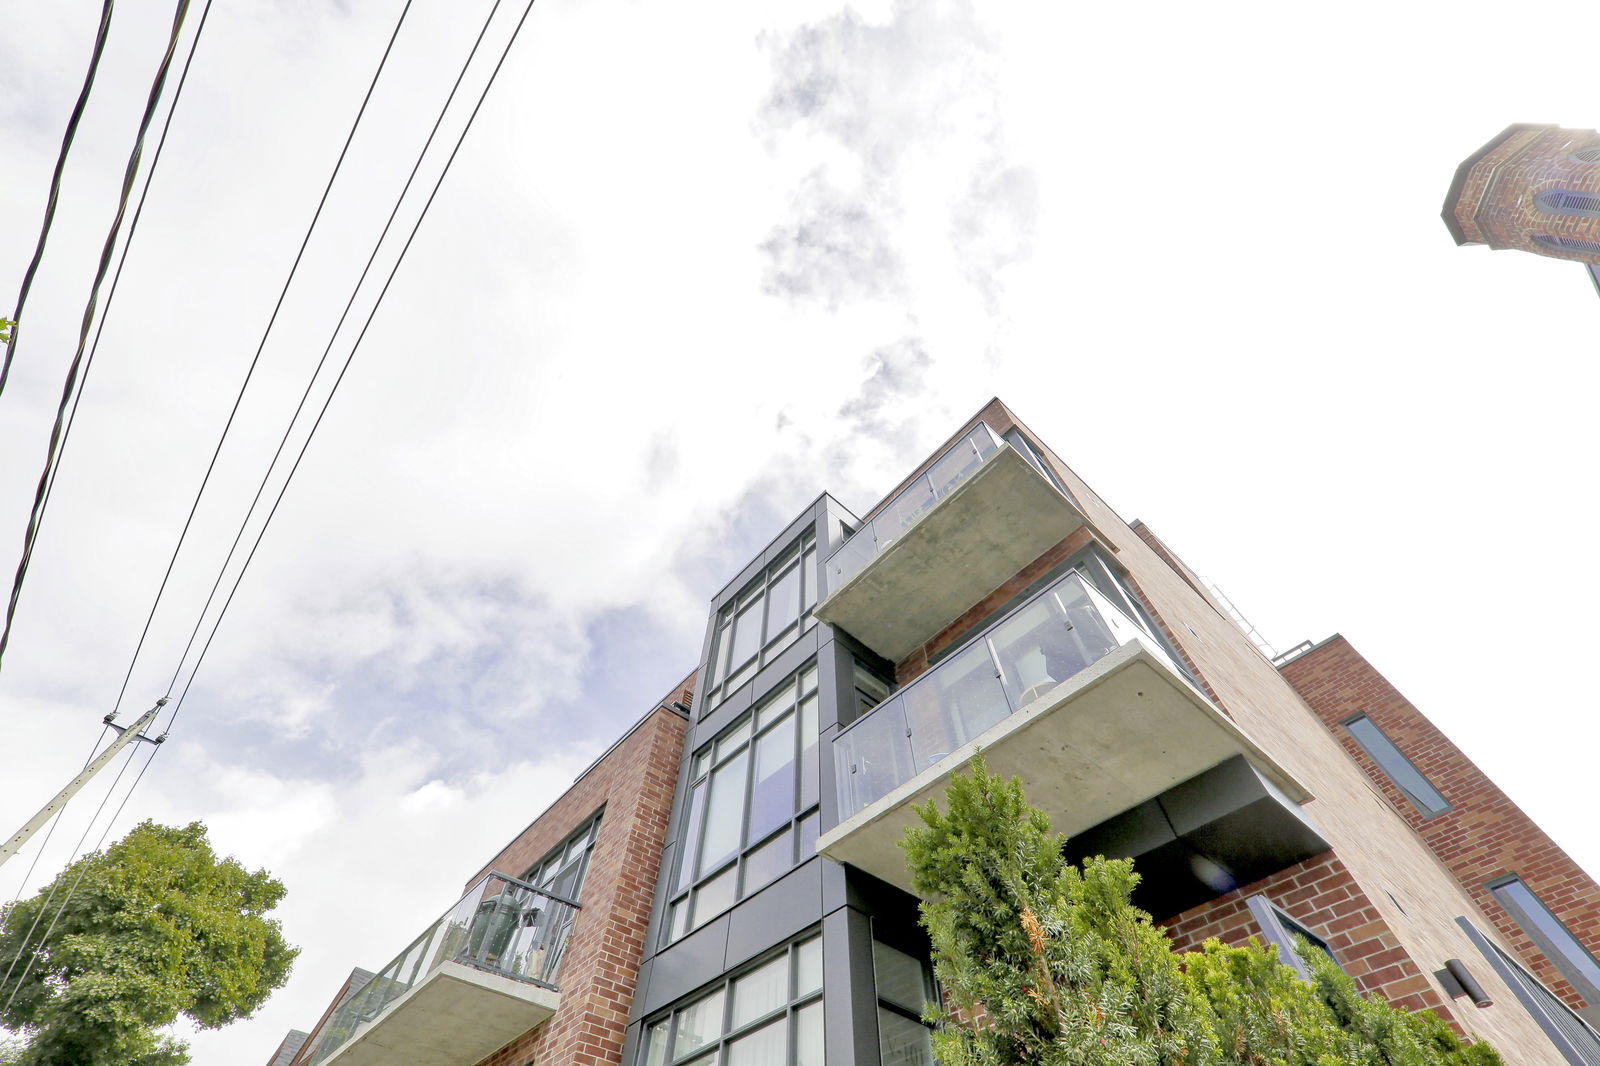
(1418, 803)
(589, 831)
(884, 1004)
(800, 555)
(1568, 960)
(1279, 927)
(715, 1050)
(681, 914)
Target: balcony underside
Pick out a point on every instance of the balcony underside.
(456, 1016)
(1118, 733)
(992, 525)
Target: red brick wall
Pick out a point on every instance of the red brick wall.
(1321, 895)
(634, 781)
(1483, 835)
(1495, 205)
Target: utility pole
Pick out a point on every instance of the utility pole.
(125, 737)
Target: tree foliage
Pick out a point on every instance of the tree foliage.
(1046, 964)
(157, 926)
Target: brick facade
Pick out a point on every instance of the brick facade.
(1322, 895)
(1492, 200)
(634, 783)
(1484, 835)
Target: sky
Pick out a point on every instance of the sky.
(693, 266)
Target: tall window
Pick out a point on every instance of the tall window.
(1553, 938)
(752, 811)
(766, 617)
(770, 1015)
(1280, 930)
(903, 984)
(1406, 777)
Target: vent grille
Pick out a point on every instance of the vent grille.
(1569, 202)
(1587, 155)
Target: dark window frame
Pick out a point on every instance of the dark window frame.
(1279, 927)
(682, 913)
(725, 677)
(1567, 959)
(796, 1001)
(1420, 803)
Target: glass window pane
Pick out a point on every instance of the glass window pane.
(719, 653)
(655, 1044)
(767, 1046)
(775, 705)
(762, 992)
(1417, 788)
(810, 775)
(902, 1041)
(808, 579)
(808, 968)
(769, 862)
(901, 978)
(678, 920)
(808, 836)
(691, 834)
(716, 895)
(733, 740)
(746, 635)
(808, 680)
(772, 796)
(808, 1035)
(697, 1025)
(783, 602)
(1564, 950)
(724, 813)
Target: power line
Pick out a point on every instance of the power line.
(371, 314)
(294, 268)
(55, 184)
(327, 349)
(131, 170)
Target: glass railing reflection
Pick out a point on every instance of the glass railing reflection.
(911, 503)
(502, 926)
(1060, 632)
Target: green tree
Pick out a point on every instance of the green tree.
(1046, 964)
(157, 926)
(5, 338)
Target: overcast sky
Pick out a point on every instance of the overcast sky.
(697, 264)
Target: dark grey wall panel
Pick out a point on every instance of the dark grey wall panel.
(685, 966)
(775, 914)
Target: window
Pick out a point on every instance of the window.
(903, 985)
(1406, 777)
(766, 617)
(752, 805)
(1577, 1042)
(769, 1015)
(1568, 202)
(1553, 938)
(1568, 244)
(1279, 929)
(561, 871)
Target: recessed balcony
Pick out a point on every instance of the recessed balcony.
(977, 516)
(1067, 693)
(480, 976)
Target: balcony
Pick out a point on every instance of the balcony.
(1067, 693)
(977, 516)
(481, 975)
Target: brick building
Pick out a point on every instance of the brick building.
(743, 902)
(1532, 188)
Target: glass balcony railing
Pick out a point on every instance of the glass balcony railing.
(501, 926)
(911, 503)
(1059, 632)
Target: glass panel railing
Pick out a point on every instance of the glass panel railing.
(1058, 633)
(502, 926)
(911, 503)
